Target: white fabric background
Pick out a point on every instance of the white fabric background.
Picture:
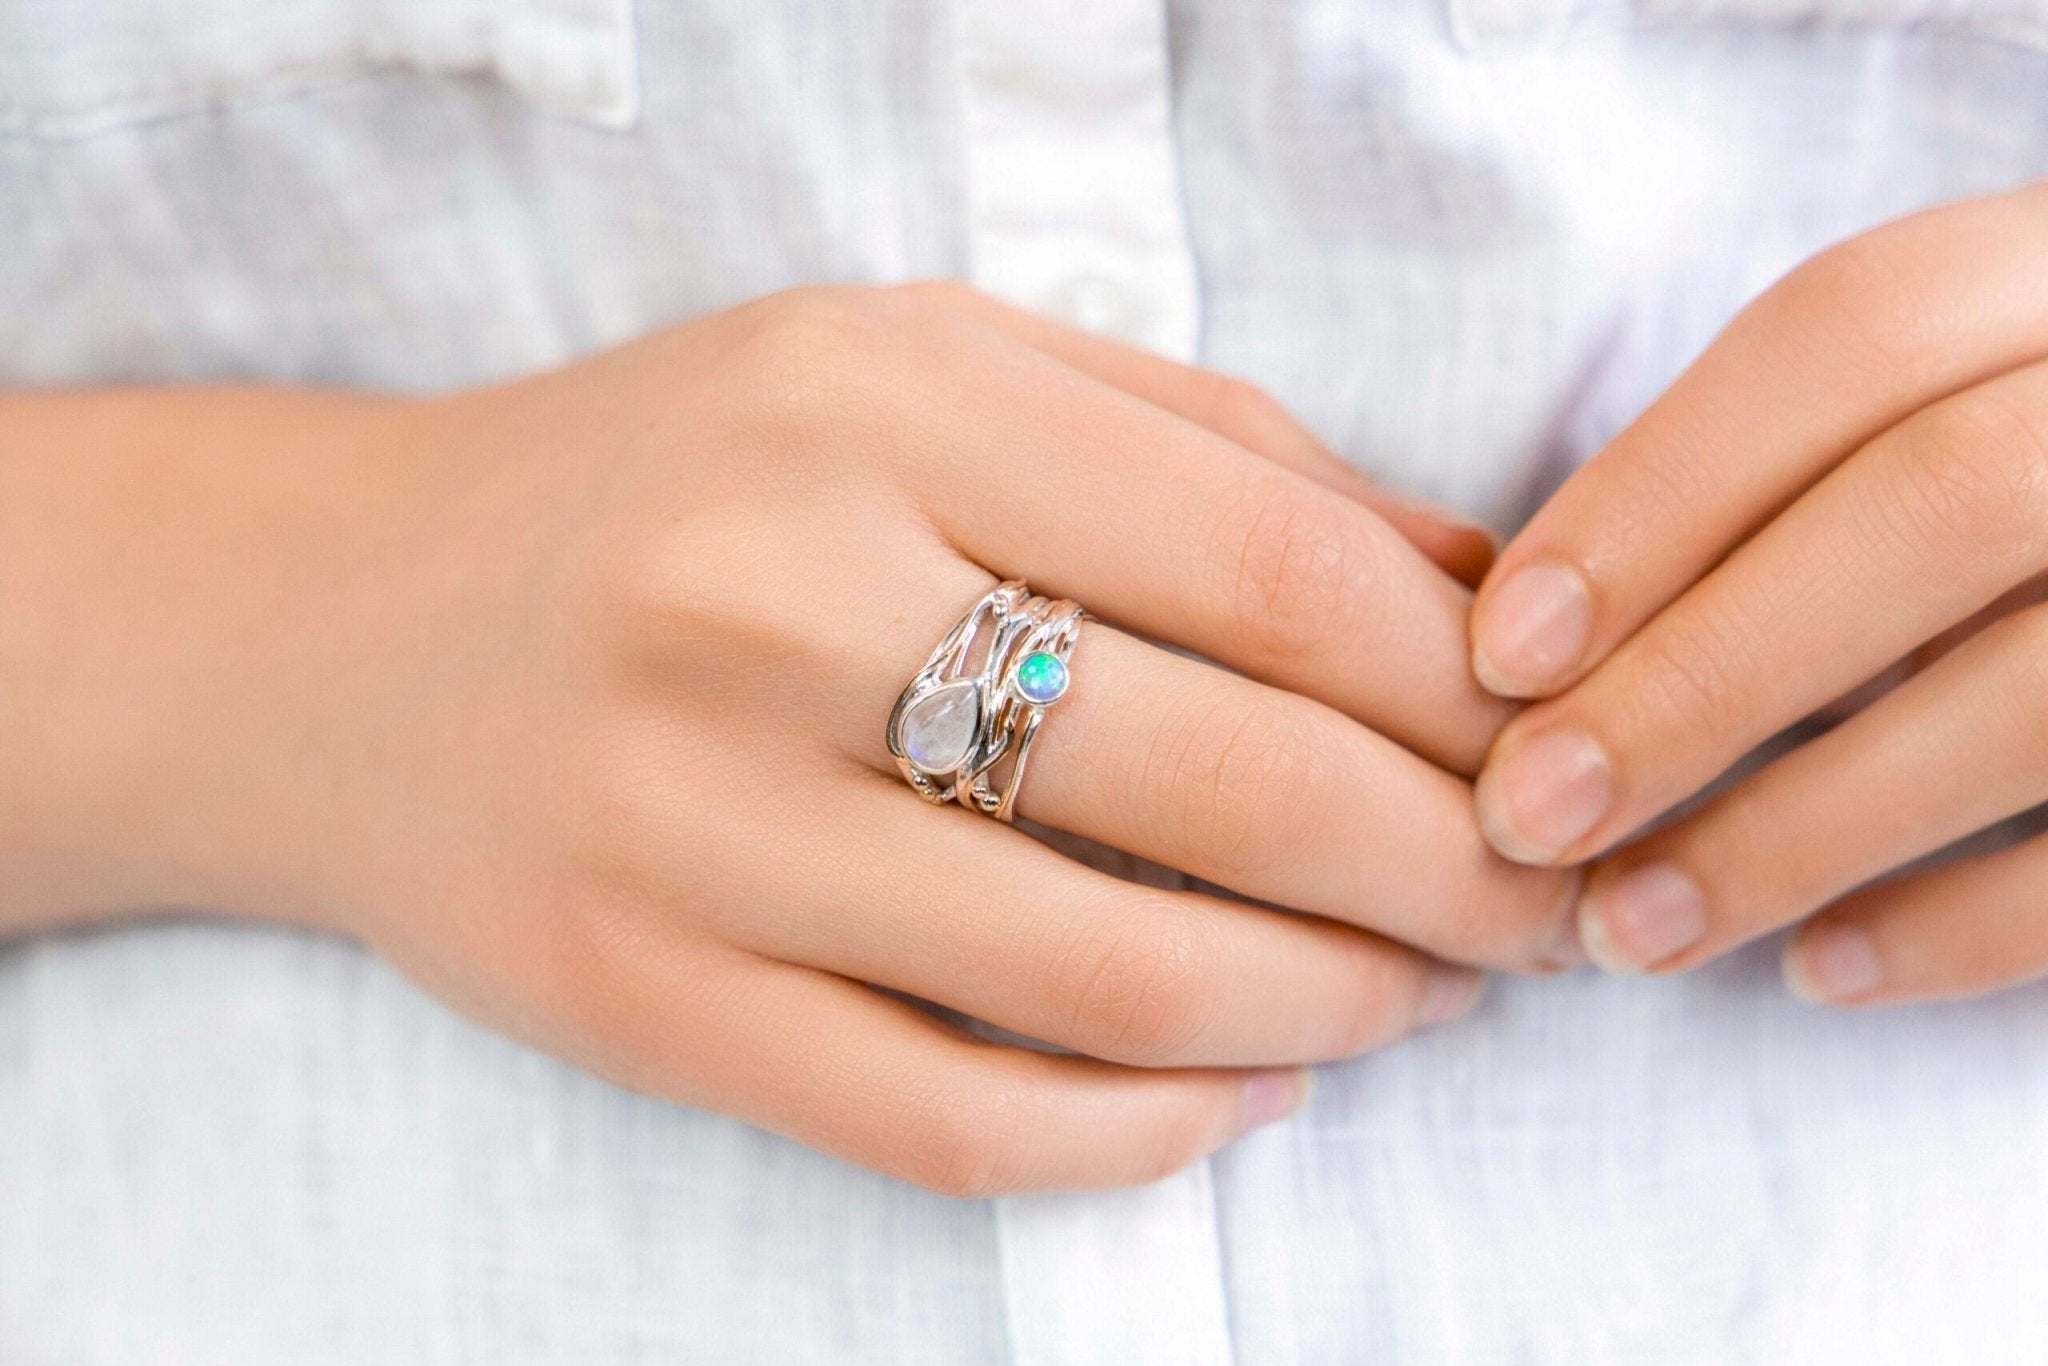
(1465, 239)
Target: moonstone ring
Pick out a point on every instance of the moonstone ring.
(980, 698)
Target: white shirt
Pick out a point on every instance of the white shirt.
(1464, 239)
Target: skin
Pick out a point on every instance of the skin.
(568, 697)
(1842, 506)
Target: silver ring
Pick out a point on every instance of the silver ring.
(980, 698)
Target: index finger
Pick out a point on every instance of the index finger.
(1843, 348)
(1158, 524)
(1235, 409)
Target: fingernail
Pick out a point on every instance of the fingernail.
(1273, 1095)
(1642, 918)
(1544, 794)
(1448, 993)
(1532, 630)
(1833, 965)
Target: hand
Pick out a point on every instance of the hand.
(1854, 475)
(569, 696)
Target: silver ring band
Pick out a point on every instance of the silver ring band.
(981, 697)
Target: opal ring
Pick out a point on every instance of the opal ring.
(980, 698)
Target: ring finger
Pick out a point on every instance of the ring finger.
(1269, 794)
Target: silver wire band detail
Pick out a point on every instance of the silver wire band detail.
(981, 697)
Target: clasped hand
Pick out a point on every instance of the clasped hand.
(568, 696)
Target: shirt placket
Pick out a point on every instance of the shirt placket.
(1075, 211)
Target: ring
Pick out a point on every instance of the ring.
(981, 696)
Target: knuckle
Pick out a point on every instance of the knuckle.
(1658, 479)
(584, 971)
(1132, 992)
(1238, 780)
(1377, 1004)
(948, 294)
(1971, 477)
(1875, 300)
(808, 319)
(574, 967)
(1741, 854)
(1693, 671)
(1238, 408)
(1298, 566)
(1175, 1147)
(956, 1149)
(807, 356)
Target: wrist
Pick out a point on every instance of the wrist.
(147, 545)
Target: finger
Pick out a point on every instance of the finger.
(1919, 530)
(1960, 930)
(1160, 525)
(1235, 410)
(1924, 656)
(2029, 594)
(880, 1083)
(1282, 799)
(1953, 751)
(972, 914)
(1840, 350)
(1262, 791)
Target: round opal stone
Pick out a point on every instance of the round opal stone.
(1041, 678)
(937, 730)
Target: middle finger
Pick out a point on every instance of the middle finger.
(1269, 794)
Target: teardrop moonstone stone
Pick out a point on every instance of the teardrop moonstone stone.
(938, 729)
